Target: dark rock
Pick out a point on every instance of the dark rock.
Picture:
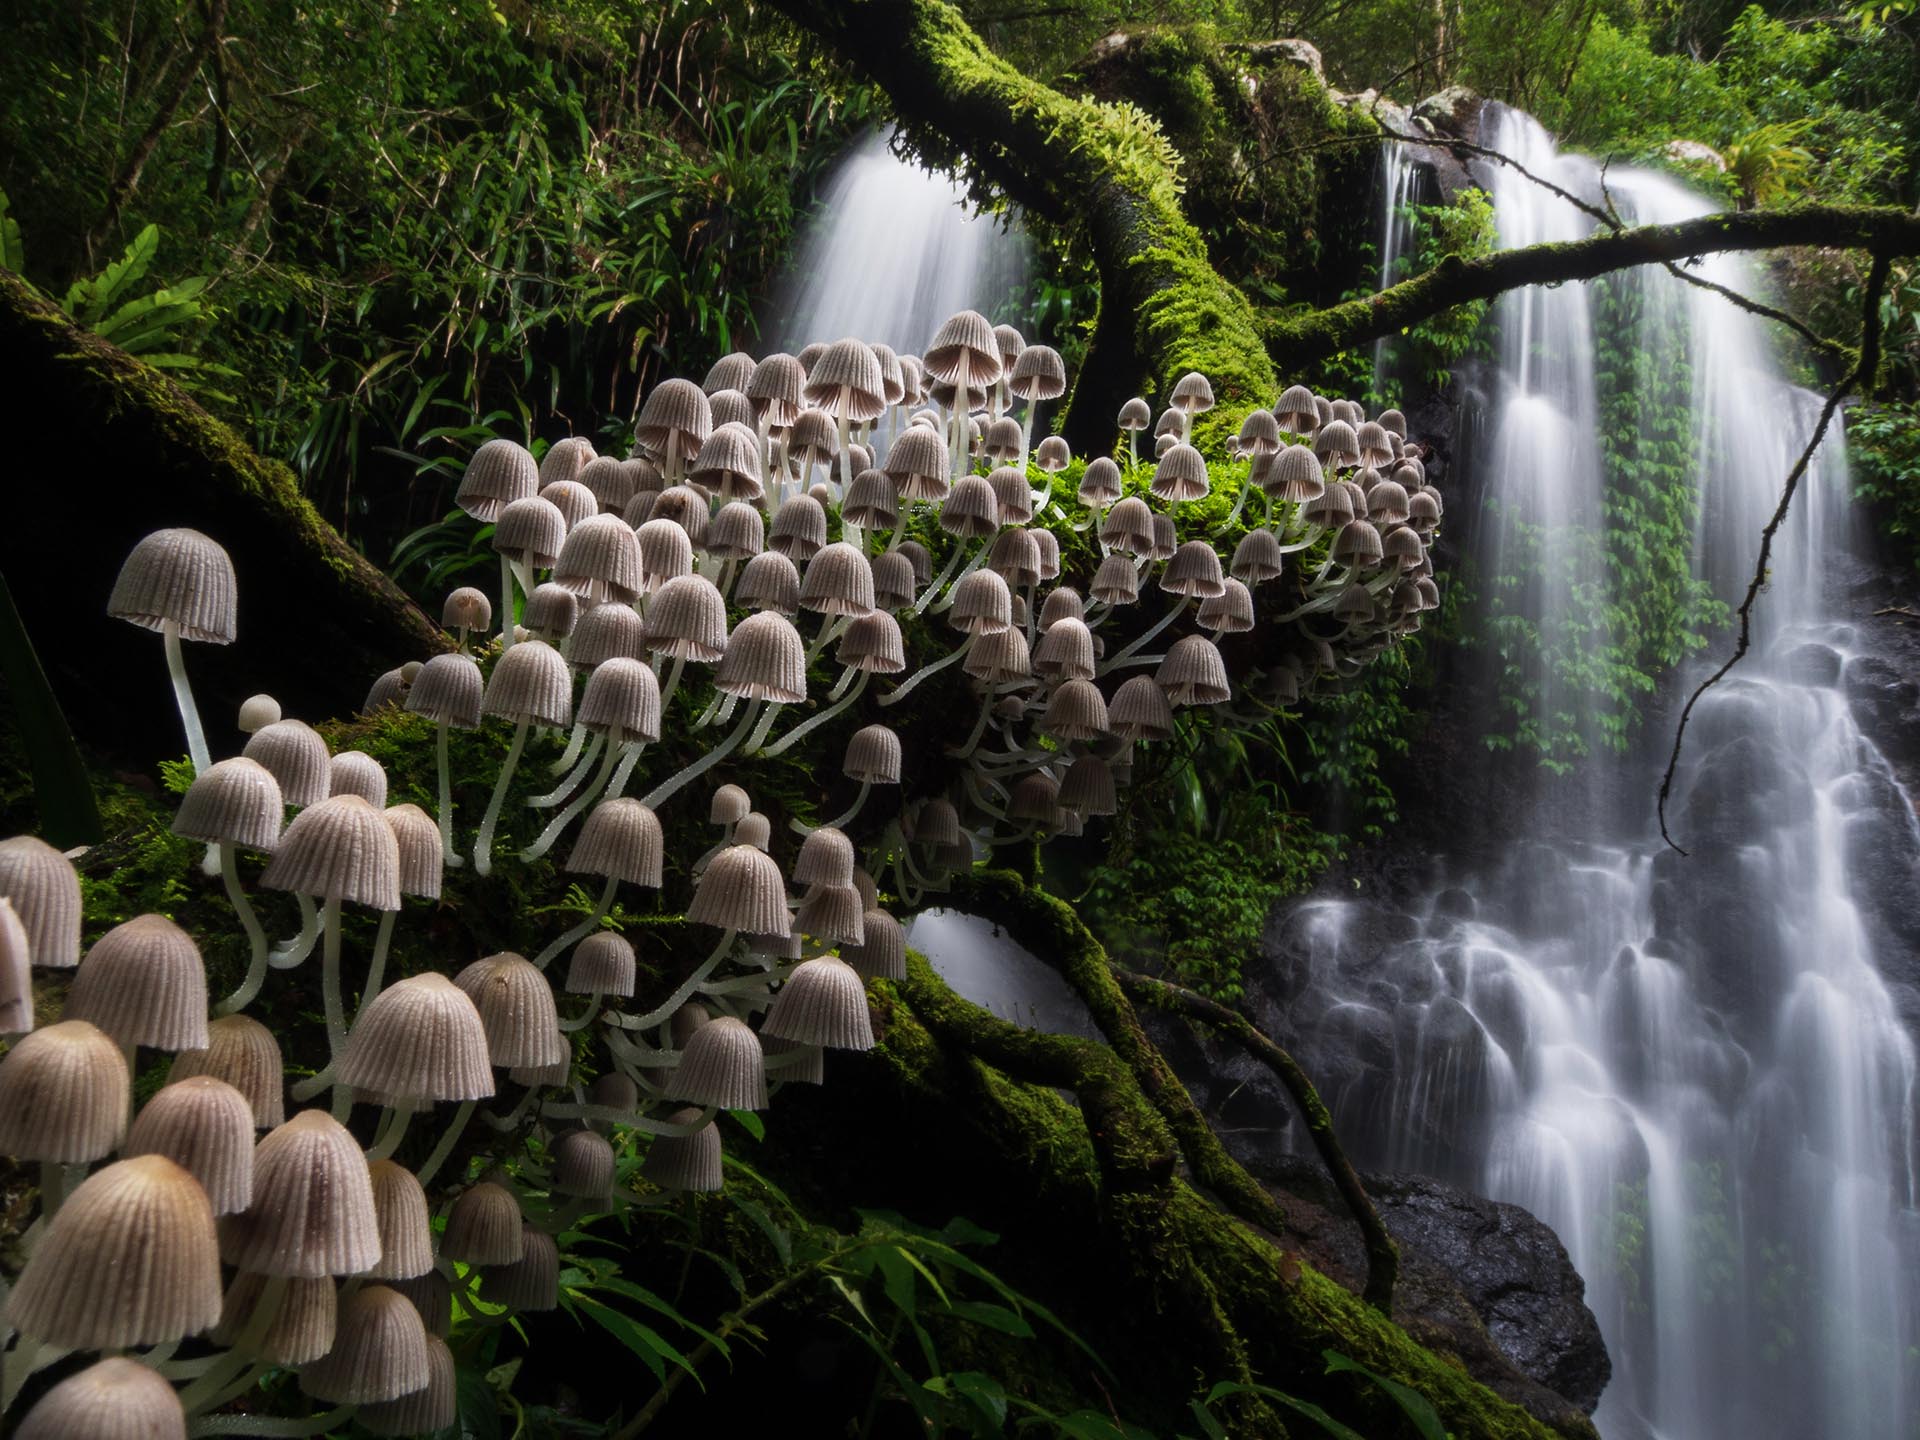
(1812, 664)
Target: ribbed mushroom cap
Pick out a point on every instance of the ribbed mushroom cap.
(1429, 590)
(242, 1052)
(1087, 787)
(769, 582)
(1230, 612)
(1065, 650)
(823, 1002)
(600, 560)
(838, 581)
(1194, 570)
(1358, 543)
(379, 1351)
(737, 532)
(917, 464)
(144, 983)
(721, 1065)
(583, 1165)
(1135, 415)
(1011, 344)
(1036, 797)
(1192, 393)
(312, 1211)
(936, 822)
(499, 473)
(1128, 526)
(730, 805)
(622, 841)
(893, 377)
(1387, 503)
(609, 482)
(1116, 582)
(1257, 558)
(970, 511)
(63, 1095)
(552, 611)
(574, 500)
(1336, 444)
(1193, 673)
(1099, 483)
(1423, 509)
(565, 459)
(419, 1039)
(687, 620)
(114, 1399)
(685, 1162)
(432, 1296)
(1354, 604)
(1000, 441)
(1015, 557)
(236, 801)
(1296, 412)
(799, 528)
(873, 756)
(603, 632)
(529, 682)
(754, 829)
(390, 688)
(532, 529)
(1293, 475)
(484, 1227)
(400, 1213)
(602, 964)
(354, 772)
(1323, 408)
(448, 689)
(1140, 710)
(1402, 546)
(982, 604)
(893, 582)
(1333, 507)
(741, 889)
(964, 345)
(1000, 657)
(676, 420)
(1259, 434)
(733, 371)
(622, 693)
(765, 660)
(43, 889)
(303, 1325)
(1038, 374)
(1075, 711)
(846, 381)
(205, 1126)
(870, 501)
(425, 1411)
(729, 462)
(1374, 445)
(530, 1283)
(1063, 602)
(516, 1008)
(882, 955)
(560, 1072)
(826, 858)
(130, 1259)
(1053, 454)
(466, 609)
(686, 507)
(776, 388)
(811, 439)
(178, 577)
(297, 757)
(1181, 474)
(16, 973)
(341, 849)
(422, 862)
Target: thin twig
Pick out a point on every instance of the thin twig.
(1862, 373)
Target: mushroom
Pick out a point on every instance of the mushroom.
(529, 684)
(448, 691)
(180, 583)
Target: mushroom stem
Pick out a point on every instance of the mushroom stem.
(1239, 504)
(393, 1126)
(672, 682)
(1026, 433)
(763, 729)
(630, 756)
(448, 855)
(584, 928)
(183, 696)
(285, 957)
(671, 786)
(585, 1018)
(572, 753)
(840, 425)
(567, 786)
(946, 571)
(330, 978)
(448, 1139)
(377, 967)
(901, 691)
(506, 605)
(683, 994)
(1146, 638)
(979, 556)
(839, 821)
(631, 1119)
(799, 732)
(270, 1425)
(579, 802)
(256, 937)
(483, 846)
(847, 675)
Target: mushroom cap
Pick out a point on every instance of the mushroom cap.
(754, 829)
(1140, 710)
(917, 463)
(1063, 602)
(1053, 454)
(466, 609)
(826, 858)
(936, 822)
(721, 1065)
(431, 1295)
(676, 419)
(257, 711)
(531, 683)
(970, 511)
(769, 581)
(448, 690)
(622, 841)
(1065, 650)
(45, 891)
(1015, 557)
(64, 1095)
(340, 849)
(1291, 474)
(400, 1212)
(964, 345)
(1099, 482)
(730, 805)
(602, 632)
(1193, 673)
(144, 983)
(130, 1259)
(1128, 527)
(552, 611)
(982, 604)
(846, 381)
(729, 462)
(500, 472)
(1192, 393)
(484, 1227)
(297, 757)
(425, 1411)
(1181, 474)
(1258, 557)
(822, 1002)
(738, 531)
(420, 1039)
(1116, 582)
(882, 955)
(812, 439)
(666, 553)
(687, 620)
(233, 801)
(1135, 415)
(685, 1162)
(390, 688)
(1358, 543)
(565, 459)
(1194, 570)
(312, 1211)
(182, 578)
(1296, 411)
(1038, 374)
(893, 580)
(16, 973)
(831, 913)
(205, 1126)
(600, 560)
(732, 371)
(354, 772)
(583, 1165)
(1376, 448)
(1336, 444)
(303, 1325)
(1387, 503)
(1332, 507)
(741, 889)
(530, 1283)
(623, 694)
(799, 528)
(873, 756)
(1165, 540)
(422, 861)
(999, 657)
(776, 388)
(610, 483)
(532, 529)
(765, 660)
(1259, 433)
(838, 581)
(242, 1052)
(602, 964)
(1087, 787)
(1075, 711)
(517, 1011)
(871, 501)
(379, 1351)
(112, 1399)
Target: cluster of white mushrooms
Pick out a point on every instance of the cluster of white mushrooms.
(200, 1260)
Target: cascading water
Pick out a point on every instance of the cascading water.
(1690, 1067)
(893, 252)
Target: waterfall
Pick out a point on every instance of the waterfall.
(892, 251)
(1396, 184)
(1691, 1068)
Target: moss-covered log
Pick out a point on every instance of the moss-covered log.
(105, 450)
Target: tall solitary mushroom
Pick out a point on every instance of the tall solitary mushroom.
(180, 583)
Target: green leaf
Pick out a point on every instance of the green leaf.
(1412, 1403)
(643, 1340)
(993, 1317)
